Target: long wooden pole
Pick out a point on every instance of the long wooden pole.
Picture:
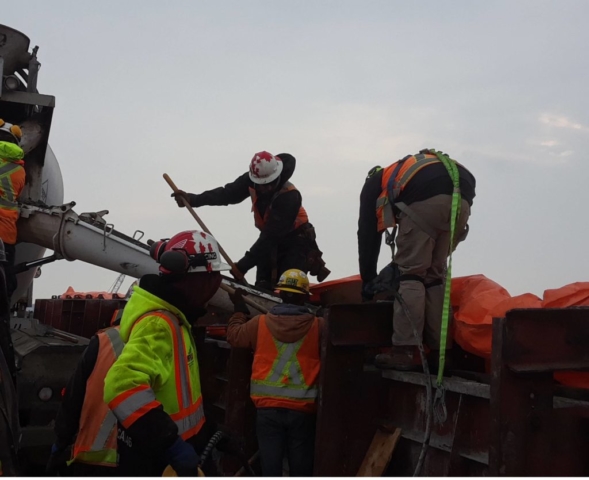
(200, 222)
(227, 288)
(250, 302)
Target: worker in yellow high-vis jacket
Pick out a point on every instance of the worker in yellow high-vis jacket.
(153, 388)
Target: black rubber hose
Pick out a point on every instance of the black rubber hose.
(216, 438)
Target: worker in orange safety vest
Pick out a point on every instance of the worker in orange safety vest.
(85, 428)
(12, 182)
(415, 194)
(287, 238)
(285, 374)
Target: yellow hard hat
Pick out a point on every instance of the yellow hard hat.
(295, 281)
(13, 130)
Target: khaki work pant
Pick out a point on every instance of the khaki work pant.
(423, 256)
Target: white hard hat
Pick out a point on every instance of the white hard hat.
(265, 168)
(188, 252)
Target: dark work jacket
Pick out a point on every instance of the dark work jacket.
(427, 183)
(285, 209)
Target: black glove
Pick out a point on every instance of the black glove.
(180, 196)
(183, 459)
(367, 292)
(238, 302)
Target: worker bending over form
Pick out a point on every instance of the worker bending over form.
(287, 239)
(414, 193)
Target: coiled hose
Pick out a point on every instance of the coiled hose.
(215, 439)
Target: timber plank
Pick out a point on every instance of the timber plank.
(379, 453)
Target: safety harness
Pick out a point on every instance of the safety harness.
(393, 191)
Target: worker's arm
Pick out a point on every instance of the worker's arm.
(67, 422)
(230, 194)
(241, 333)
(146, 362)
(283, 213)
(369, 239)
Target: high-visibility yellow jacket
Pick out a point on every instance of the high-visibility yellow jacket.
(158, 366)
(12, 182)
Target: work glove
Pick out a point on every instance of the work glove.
(179, 195)
(57, 460)
(237, 273)
(238, 302)
(367, 292)
(183, 459)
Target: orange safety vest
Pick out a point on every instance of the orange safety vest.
(96, 442)
(284, 375)
(116, 315)
(260, 221)
(394, 180)
(12, 181)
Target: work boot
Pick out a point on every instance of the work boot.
(399, 358)
(323, 274)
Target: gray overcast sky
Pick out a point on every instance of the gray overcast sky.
(194, 88)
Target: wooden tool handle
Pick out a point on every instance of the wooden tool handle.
(201, 223)
(247, 300)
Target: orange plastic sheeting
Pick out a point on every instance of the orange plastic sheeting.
(475, 301)
(574, 294)
(318, 288)
(70, 293)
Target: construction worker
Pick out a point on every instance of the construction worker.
(153, 388)
(84, 422)
(414, 194)
(12, 182)
(287, 239)
(285, 373)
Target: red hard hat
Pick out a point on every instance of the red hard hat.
(188, 252)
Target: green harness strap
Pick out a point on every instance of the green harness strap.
(456, 197)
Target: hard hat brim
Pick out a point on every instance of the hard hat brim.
(292, 290)
(270, 178)
(223, 267)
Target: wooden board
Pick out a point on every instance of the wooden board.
(379, 454)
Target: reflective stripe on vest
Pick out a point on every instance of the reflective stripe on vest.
(96, 442)
(285, 384)
(133, 404)
(260, 221)
(8, 197)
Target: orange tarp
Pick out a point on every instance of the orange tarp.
(476, 300)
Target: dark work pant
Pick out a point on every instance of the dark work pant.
(291, 252)
(282, 432)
